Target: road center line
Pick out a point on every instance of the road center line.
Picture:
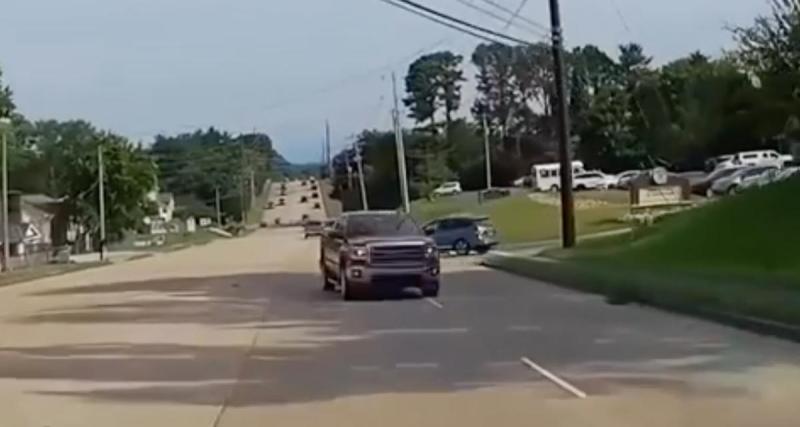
(434, 303)
(420, 331)
(554, 378)
(524, 328)
(430, 365)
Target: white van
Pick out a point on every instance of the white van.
(753, 158)
(547, 177)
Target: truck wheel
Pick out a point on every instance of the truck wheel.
(327, 283)
(344, 287)
(554, 188)
(461, 247)
(431, 292)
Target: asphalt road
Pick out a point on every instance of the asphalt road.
(238, 333)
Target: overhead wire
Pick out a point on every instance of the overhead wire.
(516, 13)
(453, 22)
(440, 22)
(505, 20)
(498, 6)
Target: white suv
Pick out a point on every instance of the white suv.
(754, 158)
(448, 189)
(592, 181)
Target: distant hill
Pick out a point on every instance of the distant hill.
(282, 166)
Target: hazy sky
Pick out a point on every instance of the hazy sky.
(142, 67)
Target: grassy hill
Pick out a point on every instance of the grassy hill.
(519, 219)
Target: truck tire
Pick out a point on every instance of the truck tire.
(327, 283)
(347, 291)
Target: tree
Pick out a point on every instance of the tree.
(7, 105)
(772, 44)
(433, 82)
(497, 96)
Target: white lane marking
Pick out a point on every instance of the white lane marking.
(423, 365)
(421, 331)
(365, 368)
(524, 328)
(502, 364)
(604, 341)
(434, 303)
(554, 378)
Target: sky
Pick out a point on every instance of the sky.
(147, 67)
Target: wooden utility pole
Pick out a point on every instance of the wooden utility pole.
(564, 149)
(402, 175)
(360, 166)
(102, 200)
(5, 123)
(488, 153)
(218, 206)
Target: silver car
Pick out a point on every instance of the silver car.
(462, 234)
(741, 179)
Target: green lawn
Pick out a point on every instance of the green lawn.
(738, 255)
(519, 219)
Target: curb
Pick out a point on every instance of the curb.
(746, 323)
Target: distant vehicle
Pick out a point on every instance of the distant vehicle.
(314, 187)
(303, 183)
(776, 175)
(270, 205)
(315, 195)
(524, 181)
(317, 206)
(703, 187)
(312, 228)
(367, 252)
(712, 163)
(448, 189)
(754, 158)
(462, 234)
(591, 181)
(303, 199)
(739, 180)
(547, 176)
(281, 201)
(624, 179)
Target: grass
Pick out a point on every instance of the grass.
(737, 256)
(40, 272)
(519, 219)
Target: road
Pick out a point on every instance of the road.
(238, 333)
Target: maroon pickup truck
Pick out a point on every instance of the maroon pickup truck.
(377, 252)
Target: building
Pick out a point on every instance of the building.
(37, 224)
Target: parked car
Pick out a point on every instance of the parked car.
(703, 187)
(462, 234)
(312, 228)
(376, 251)
(777, 175)
(754, 158)
(523, 182)
(591, 181)
(448, 189)
(624, 179)
(739, 180)
(712, 163)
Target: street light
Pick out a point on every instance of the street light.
(5, 125)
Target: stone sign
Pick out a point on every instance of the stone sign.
(658, 188)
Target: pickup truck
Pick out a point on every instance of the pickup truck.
(376, 252)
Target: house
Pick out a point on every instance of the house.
(166, 206)
(36, 224)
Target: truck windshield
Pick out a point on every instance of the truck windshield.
(382, 225)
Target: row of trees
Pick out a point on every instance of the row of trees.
(625, 112)
(60, 159)
(198, 165)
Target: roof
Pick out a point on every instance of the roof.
(165, 197)
(16, 232)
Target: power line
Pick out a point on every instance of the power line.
(621, 17)
(440, 22)
(522, 18)
(501, 18)
(516, 13)
(457, 21)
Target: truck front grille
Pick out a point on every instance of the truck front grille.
(397, 256)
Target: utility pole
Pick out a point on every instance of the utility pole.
(242, 205)
(102, 200)
(401, 149)
(4, 124)
(252, 186)
(219, 208)
(360, 165)
(328, 149)
(567, 199)
(488, 154)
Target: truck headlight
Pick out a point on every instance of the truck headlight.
(431, 251)
(359, 252)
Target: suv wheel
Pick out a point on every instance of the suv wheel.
(461, 247)
(554, 188)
